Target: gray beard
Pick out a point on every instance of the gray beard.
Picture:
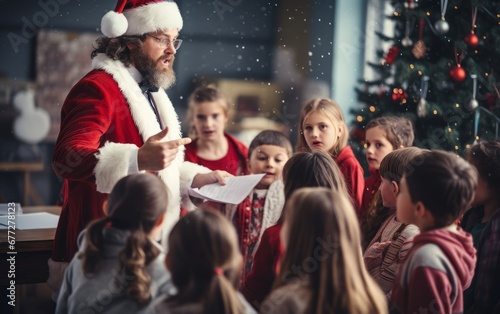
(163, 78)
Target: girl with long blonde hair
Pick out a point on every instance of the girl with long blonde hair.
(322, 270)
(322, 127)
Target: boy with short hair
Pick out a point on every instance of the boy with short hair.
(268, 152)
(435, 190)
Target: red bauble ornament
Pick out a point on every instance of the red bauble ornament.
(391, 55)
(458, 74)
(471, 40)
(398, 94)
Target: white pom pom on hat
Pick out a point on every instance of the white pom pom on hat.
(138, 17)
(114, 24)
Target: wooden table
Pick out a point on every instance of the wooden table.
(33, 247)
(26, 168)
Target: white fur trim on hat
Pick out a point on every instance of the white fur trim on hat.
(113, 24)
(153, 17)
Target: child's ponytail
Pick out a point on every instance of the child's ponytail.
(91, 255)
(138, 253)
(221, 296)
(136, 206)
(205, 262)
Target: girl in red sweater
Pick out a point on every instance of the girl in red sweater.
(208, 113)
(322, 127)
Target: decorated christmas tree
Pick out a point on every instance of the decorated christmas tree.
(442, 71)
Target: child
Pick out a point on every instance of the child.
(322, 127)
(383, 135)
(435, 190)
(205, 263)
(322, 270)
(392, 240)
(483, 222)
(306, 169)
(268, 153)
(119, 268)
(208, 113)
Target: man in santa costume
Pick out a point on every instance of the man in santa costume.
(118, 120)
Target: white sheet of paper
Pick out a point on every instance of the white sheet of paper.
(42, 220)
(234, 192)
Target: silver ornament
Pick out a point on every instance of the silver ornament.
(406, 42)
(422, 108)
(472, 105)
(442, 27)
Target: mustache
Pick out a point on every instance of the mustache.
(169, 57)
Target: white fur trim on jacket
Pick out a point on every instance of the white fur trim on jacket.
(145, 120)
(112, 165)
(153, 17)
(188, 171)
(147, 126)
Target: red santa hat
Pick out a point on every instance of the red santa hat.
(137, 17)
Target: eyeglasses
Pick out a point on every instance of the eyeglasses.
(164, 42)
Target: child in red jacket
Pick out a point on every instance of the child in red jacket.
(322, 127)
(268, 153)
(208, 113)
(435, 190)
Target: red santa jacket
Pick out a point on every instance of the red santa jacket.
(104, 120)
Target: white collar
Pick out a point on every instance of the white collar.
(136, 75)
